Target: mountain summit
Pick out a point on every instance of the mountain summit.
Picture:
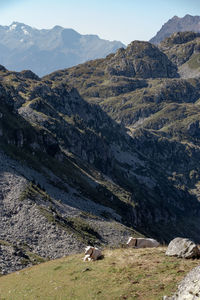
(45, 50)
(176, 24)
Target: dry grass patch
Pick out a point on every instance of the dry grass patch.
(123, 274)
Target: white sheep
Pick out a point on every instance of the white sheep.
(92, 253)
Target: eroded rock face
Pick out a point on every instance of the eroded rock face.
(189, 288)
(183, 248)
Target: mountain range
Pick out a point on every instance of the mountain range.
(43, 51)
(100, 151)
(46, 50)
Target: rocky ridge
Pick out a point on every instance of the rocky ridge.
(176, 24)
(189, 287)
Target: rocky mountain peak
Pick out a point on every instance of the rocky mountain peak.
(175, 18)
(16, 26)
(28, 74)
(176, 24)
(57, 27)
(141, 59)
(141, 49)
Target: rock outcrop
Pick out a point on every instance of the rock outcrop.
(183, 248)
(189, 288)
(183, 49)
(142, 60)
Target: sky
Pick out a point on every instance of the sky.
(123, 20)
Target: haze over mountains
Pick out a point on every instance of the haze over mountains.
(176, 24)
(46, 50)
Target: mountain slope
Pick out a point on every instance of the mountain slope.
(45, 50)
(95, 153)
(160, 114)
(176, 24)
(124, 272)
(52, 203)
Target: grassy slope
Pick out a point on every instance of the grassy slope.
(122, 274)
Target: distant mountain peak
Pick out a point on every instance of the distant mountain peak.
(57, 27)
(15, 25)
(20, 27)
(175, 18)
(176, 24)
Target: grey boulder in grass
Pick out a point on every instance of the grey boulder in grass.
(183, 248)
(189, 288)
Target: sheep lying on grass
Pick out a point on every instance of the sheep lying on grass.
(92, 253)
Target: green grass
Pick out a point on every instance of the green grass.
(122, 274)
(32, 191)
(4, 243)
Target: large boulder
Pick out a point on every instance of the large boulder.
(189, 288)
(184, 248)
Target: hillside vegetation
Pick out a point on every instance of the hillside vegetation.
(123, 274)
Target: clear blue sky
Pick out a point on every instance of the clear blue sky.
(123, 20)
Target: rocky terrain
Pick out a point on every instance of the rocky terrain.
(96, 153)
(183, 49)
(45, 50)
(189, 288)
(176, 24)
(160, 112)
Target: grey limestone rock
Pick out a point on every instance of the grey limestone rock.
(189, 288)
(184, 248)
